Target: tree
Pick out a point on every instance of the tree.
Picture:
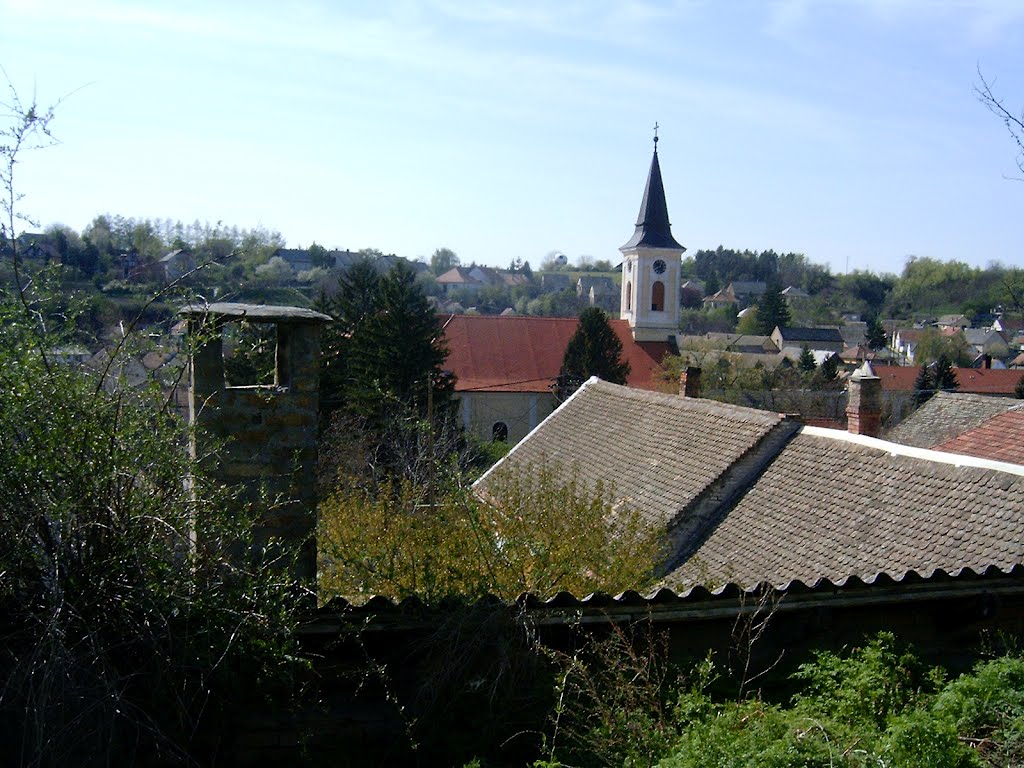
(945, 376)
(828, 371)
(398, 349)
(1014, 124)
(442, 260)
(924, 386)
(594, 350)
(876, 337)
(806, 362)
(534, 533)
(320, 256)
(121, 638)
(933, 345)
(1018, 391)
(772, 310)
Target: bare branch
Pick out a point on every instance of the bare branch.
(1014, 124)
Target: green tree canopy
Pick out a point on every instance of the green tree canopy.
(594, 350)
(442, 260)
(876, 334)
(772, 310)
(945, 376)
(924, 386)
(806, 362)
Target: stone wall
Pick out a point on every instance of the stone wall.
(262, 439)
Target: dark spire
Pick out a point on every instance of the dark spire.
(652, 226)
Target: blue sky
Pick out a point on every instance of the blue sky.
(846, 130)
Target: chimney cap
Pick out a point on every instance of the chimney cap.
(864, 372)
(258, 313)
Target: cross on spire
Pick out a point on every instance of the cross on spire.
(655, 136)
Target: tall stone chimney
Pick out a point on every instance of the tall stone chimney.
(689, 382)
(864, 402)
(264, 435)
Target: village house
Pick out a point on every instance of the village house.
(754, 502)
(506, 369)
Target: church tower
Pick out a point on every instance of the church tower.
(651, 265)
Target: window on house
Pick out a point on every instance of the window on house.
(629, 296)
(499, 432)
(658, 296)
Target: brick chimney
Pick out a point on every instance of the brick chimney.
(689, 382)
(263, 437)
(864, 403)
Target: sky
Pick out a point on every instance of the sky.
(846, 130)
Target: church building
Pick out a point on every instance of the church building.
(651, 266)
(506, 368)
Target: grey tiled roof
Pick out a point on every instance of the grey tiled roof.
(832, 508)
(946, 415)
(831, 335)
(659, 451)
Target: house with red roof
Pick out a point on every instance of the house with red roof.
(506, 368)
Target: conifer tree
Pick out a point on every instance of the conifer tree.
(594, 350)
(828, 371)
(945, 376)
(875, 334)
(772, 311)
(395, 351)
(924, 386)
(357, 298)
(806, 362)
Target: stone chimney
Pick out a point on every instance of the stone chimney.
(262, 437)
(689, 382)
(864, 404)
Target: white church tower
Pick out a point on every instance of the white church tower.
(651, 264)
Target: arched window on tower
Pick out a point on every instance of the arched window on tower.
(658, 296)
(629, 296)
(499, 432)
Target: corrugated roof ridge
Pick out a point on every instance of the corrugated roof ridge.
(695, 592)
(926, 454)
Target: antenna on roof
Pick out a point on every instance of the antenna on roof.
(655, 136)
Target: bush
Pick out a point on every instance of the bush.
(536, 534)
(121, 636)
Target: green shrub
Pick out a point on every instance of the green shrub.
(986, 707)
(866, 686)
(121, 636)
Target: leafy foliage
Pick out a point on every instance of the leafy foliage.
(877, 704)
(121, 636)
(535, 534)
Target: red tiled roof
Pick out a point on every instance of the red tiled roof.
(980, 381)
(1001, 438)
(524, 354)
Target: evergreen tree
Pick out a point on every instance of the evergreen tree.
(594, 350)
(806, 362)
(395, 353)
(358, 297)
(876, 334)
(829, 369)
(924, 386)
(945, 376)
(772, 311)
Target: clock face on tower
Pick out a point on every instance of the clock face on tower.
(659, 266)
